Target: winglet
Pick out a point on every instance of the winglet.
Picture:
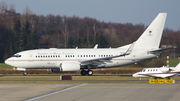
(129, 51)
(130, 48)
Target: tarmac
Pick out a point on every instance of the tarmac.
(89, 92)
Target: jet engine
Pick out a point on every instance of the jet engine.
(164, 69)
(67, 67)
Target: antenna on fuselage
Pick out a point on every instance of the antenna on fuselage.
(96, 46)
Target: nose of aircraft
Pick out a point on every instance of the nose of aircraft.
(135, 75)
(7, 61)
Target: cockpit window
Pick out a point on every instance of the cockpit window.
(16, 55)
(143, 70)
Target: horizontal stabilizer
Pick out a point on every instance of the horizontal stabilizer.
(159, 50)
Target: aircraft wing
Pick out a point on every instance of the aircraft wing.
(103, 60)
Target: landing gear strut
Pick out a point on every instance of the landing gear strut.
(24, 73)
(84, 72)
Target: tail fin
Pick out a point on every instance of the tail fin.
(151, 37)
(178, 66)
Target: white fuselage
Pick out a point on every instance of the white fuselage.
(50, 58)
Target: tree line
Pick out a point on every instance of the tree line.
(19, 32)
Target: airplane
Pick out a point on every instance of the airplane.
(73, 60)
(161, 73)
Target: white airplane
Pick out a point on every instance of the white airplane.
(162, 72)
(65, 60)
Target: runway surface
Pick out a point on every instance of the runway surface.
(89, 92)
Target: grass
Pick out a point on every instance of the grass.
(5, 66)
(173, 62)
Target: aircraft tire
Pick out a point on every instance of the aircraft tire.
(83, 72)
(89, 72)
(25, 73)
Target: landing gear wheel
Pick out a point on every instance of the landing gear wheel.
(89, 72)
(25, 73)
(83, 72)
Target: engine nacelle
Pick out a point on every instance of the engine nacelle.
(164, 69)
(67, 67)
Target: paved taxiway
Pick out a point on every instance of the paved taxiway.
(89, 92)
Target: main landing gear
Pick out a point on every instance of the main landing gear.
(24, 73)
(84, 72)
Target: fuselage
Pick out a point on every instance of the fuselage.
(162, 72)
(50, 58)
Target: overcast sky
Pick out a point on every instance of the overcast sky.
(116, 11)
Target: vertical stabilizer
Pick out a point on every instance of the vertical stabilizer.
(151, 37)
(178, 66)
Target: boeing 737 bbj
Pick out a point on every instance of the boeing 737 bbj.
(65, 60)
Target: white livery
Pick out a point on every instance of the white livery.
(162, 72)
(63, 60)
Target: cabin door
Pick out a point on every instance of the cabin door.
(30, 57)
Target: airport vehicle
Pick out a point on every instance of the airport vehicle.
(65, 60)
(162, 72)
